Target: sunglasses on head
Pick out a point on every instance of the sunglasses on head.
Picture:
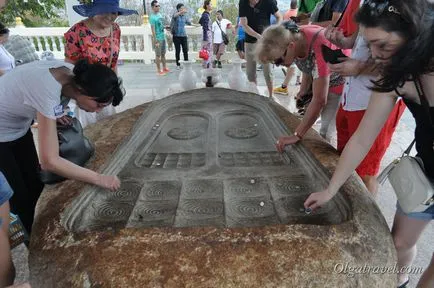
(378, 7)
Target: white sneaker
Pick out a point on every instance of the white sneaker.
(179, 67)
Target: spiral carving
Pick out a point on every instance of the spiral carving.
(203, 189)
(112, 211)
(193, 208)
(185, 133)
(162, 191)
(155, 210)
(124, 195)
(242, 133)
(250, 208)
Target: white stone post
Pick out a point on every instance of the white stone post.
(73, 17)
(148, 53)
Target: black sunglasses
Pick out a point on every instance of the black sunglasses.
(378, 7)
(279, 61)
(291, 26)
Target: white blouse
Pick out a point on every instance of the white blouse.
(7, 61)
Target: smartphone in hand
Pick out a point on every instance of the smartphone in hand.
(332, 56)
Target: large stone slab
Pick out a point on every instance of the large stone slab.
(206, 201)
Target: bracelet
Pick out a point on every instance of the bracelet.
(298, 135)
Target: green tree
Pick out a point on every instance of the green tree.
(33, 11)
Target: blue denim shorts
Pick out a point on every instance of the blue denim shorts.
(5, 191)
(427, 215)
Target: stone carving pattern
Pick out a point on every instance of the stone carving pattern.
(172, 160)
(185, 133)
(248, 203)
(247, 159)
(201, 203)
(242, 133)
(181, 201)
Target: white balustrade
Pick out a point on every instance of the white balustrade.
(136, 42)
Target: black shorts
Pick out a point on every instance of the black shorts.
(240, 45)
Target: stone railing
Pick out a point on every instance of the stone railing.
(136, 42)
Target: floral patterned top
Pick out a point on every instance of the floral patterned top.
(82, 43)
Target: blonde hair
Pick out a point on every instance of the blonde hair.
(273, 43)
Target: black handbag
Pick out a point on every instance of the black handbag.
(73, 146)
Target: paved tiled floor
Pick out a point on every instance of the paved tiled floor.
(143, 85)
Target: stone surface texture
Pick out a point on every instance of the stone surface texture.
(278, 255)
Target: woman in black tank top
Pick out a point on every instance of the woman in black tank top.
(400, 34)
(423, 134)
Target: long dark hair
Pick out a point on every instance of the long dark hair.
(3, 29)
(98, 81)
(413, 20)
(205, 4)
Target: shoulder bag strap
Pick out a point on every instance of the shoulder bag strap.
(64, 101)
(425, 106)
(109, 64)
(218, 24)
(342, 15)
(314, 39)
(407, 151)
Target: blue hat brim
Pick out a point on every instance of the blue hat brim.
(90, 10)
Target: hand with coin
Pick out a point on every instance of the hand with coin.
(286, 140)
(318, 199)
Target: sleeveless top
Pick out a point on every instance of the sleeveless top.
(424, 135)
(309, 64)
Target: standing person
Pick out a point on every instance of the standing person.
(240, 41)
(97, 39)
(7, 61)
(337, 7)
(287, 43)
(360, 72)
(255, 17)
(400, 34)
(283, 89)
(219, 27)
(205, 22)
(180, 39)
(158, 38)
(35, 89)
(292, 11)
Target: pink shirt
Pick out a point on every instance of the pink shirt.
(320, 66)
(290, 13)
(81, 43)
